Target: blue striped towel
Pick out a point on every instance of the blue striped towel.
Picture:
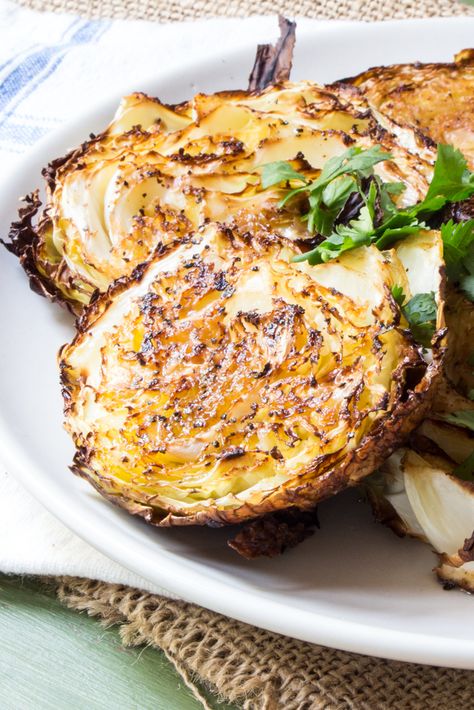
(53, 67)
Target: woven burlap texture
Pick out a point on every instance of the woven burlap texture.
(178, 10)
(253, 668)
(260, 670)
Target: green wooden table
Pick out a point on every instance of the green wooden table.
(52, 658)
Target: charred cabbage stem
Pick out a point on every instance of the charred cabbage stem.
(221, 382)
(273, 534)
(273, 63)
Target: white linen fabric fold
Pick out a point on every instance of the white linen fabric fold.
(52, 67)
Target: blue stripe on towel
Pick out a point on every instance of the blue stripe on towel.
(25, 73)
(34, 69)
(22, 134)
(29, 55)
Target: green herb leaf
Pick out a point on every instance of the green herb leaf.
(340, 177)
(420, 312)
(385, 190)
(464, 418)
(421, 308)
(360, 229)
(398, 295)
(458, 248)
(279, 171)
(394, 188)
(465, 470)
(289, 196)
(391, 235)
(337, 191)
(451, 178)
(467, 286)
(379, 221)
(325, 204)
(352, 161)
(362, 160)
(346, 237)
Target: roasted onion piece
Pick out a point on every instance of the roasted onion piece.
(422, 495)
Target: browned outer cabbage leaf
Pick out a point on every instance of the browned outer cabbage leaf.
(433, 99)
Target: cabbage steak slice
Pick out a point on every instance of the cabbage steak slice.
(158, 172)
(435, 100)
(222, 382)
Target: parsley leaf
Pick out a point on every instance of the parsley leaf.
(398, 295)
(464, 418)
(341, 176)
(337, 191)
(465, 470)
(420, 312)
(352, 161)
(351, 206)
(451, 179)
(362, 161)
(346, 237)
(325, 204)
(390, 235)
(280, 171)
(467, 286)
(458, 248)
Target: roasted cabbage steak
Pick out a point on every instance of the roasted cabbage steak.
(160, 172)
(433, 99)
(221, 381)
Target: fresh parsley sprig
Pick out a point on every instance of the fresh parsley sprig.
(465, 470)
(452, 181)
(398, 295)
(465, 419)
(458, 248)
(420, 312)
(340, 178)
(378, 220)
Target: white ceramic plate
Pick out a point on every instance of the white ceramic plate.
(353, 585)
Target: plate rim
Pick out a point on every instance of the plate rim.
(339, 633)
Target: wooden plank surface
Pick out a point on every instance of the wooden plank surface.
(52, 658)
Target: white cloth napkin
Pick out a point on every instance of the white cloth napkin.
(52, 67)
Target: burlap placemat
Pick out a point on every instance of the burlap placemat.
(257, 669)
(260, 670)
(178, 10)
